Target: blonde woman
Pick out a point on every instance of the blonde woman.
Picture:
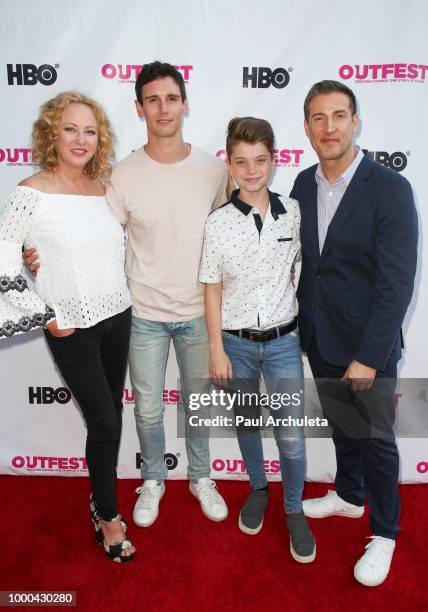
(80, 296)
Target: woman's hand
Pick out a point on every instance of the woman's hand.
(52, 328)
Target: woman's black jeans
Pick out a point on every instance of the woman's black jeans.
(93, 362)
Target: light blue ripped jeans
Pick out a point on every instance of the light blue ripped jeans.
(280, 363)
(148, 355)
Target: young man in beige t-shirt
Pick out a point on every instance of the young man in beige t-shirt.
(163, 194)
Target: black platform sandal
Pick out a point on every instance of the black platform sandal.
(114, 551)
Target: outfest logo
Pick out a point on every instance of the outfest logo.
(384, 73)
(237, 466)
(422, 467)
(282, 157)
(169, 396)
(49, 464)
(16, 156)
(128, 73)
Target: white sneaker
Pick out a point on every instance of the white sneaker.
(373, 567)
(146, 508)
(331, 505)
(212, 503)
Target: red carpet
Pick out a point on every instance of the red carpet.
(186, 562)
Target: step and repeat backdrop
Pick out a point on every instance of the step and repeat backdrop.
(237, 58)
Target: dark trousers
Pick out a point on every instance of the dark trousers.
(93, 362)
(366, 451)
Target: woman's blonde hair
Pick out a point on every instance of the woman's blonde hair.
(45, 132)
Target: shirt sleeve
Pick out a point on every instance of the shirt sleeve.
(20, 308)
(116, 201)
(211, 268)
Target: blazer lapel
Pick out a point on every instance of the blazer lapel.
(312, 216)
(352, 196)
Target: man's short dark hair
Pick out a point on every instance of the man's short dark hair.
(251, 130)
(326, 87)
(158, 70)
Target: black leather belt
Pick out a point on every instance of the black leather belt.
(259, 335)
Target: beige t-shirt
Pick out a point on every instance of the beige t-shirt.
(164, 208)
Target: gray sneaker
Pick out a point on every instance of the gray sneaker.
(302, 542)
(251, 515)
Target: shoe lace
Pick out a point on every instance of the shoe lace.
(376, 548)
(208, 493)
(147, 499)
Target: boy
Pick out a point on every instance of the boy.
(250, 245)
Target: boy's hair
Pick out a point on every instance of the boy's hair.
(251, 130)
(158, 70)
(326, 87)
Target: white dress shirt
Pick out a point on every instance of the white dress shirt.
(329, 195)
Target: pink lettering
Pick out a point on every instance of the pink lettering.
(400, 71)
(346, 72)
(375, 70)
(423, 68)
(218, 465)
(412, 71)
(73, 464)
(108, 71)
(31, 464)
(274, 466)
(186, 71)
(387, 69)
(128, 395)
(297, 154)
(25, 154)
(124, 75)
(18, 462)
(12, 158)
(422, 467)
(361, 74)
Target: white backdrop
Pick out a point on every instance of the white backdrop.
(238, 58)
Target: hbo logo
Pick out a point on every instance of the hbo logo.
(48, 395)
(28, 74)
(396, 161)
(171, 461)
(265, 77)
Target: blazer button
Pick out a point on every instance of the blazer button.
(318, 276)
(312, 305)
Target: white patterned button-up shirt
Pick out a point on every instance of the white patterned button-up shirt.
(253, 261)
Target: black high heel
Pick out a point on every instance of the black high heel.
(95, 516)
(113, 551)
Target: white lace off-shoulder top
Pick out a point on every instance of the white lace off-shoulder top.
(81, 248)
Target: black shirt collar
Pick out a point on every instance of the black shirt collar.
(276, 206)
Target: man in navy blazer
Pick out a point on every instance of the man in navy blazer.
(359, 246)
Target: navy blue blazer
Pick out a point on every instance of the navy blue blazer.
(356, 292)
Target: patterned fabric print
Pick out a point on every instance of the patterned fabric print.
(254, 269)
(8, 284)
(81, 247)
(25, 324)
